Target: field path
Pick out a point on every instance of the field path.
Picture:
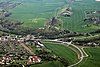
(28, 49)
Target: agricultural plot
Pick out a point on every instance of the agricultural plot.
(75, 22)
(93, 60)
(62, 51)
(35, 13)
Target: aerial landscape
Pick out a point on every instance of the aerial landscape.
(49, 33)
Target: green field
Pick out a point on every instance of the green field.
(34, 13)
(76, 23)
(62, 51)
(94, 58)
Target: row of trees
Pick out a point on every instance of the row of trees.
(13, 26)
(47, 55)
(87, 39)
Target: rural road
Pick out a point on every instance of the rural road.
(81, 50)
(29, 50)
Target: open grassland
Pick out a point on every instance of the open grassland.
(75, 22)
(94, 58)
(62, 51)
(41, 10)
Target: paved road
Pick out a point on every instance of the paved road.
(81, 50)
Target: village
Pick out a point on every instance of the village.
(12, 49)
(24, 46)
(15, 48)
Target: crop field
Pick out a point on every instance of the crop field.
(62, 51)
(76, 22)
(94, 58)
(34, 13)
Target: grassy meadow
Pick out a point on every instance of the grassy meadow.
(94, 58)
(34, 13)
(62, 51)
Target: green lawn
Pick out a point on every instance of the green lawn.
(62, 51)
(94, 58)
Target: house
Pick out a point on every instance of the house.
(34, 59)
(6, 60)
(38, 44)
(67, 12)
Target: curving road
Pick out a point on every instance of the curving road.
(81, 50)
